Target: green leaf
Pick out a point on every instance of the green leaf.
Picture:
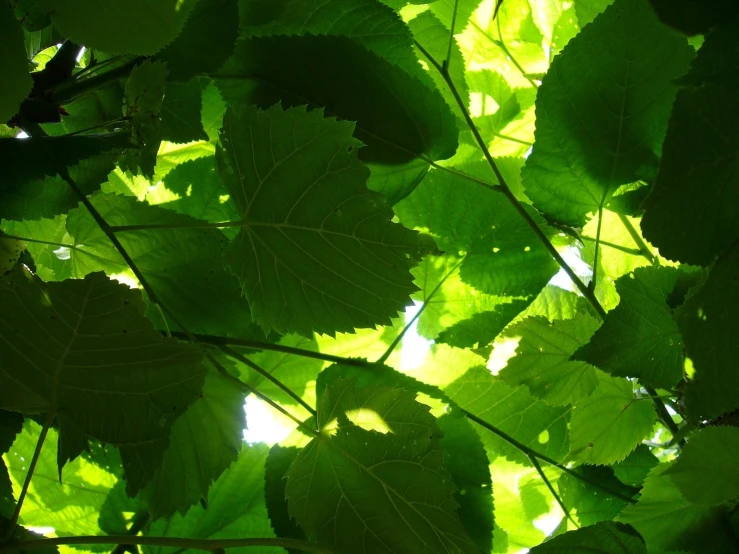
(317, 250)
(514, 411)
(279, 460)
(639, 338)
(694, 18)
(705, 471)
(503, 255)
(235, 509)
(129, 27)
(11, 423)
(601, 538)
(10, 251)
(690, 214)
(181, 113)
(610, 423)
(589, 503)
(602, 110)
(203, 443)
(95, 107)
(588, 10)
(201, 192)
(83, 350)
(398, 118)
(482, 328)
(491, 85)
(17, 83)
(636, 466)
(668, 521)
(71, 505)
(708, 324)
(365, 487)
(542, 359)
(205, 42)
(25, 194)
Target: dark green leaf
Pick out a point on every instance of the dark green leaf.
(639, 338)
(17, 82)
(279, 460)
(206, 41)
(317, 251)
(398, 118)
(587, 10)
(482, 328)
(709, 327)
(90, 356)
(637, 465)
(706, 472)
(181, 120)
(602, 538)
(694, 17)
(591, 504)
(602, 110)
(203, 443)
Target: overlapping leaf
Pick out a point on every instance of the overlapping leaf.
(17, 82)
(317, 250)
(602, 538)
(602, 110)
(83, 350)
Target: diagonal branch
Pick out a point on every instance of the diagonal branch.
(548, 483)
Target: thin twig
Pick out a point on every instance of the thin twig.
(626, 249)
(500, 44)
(597, 247)
(140, 520)
(663, 414)
(267, 375)
(196, 544)
(582, 287)
(386, 355)
(31, 468)
(259, 345)
(531, 452)
(555, 494)
(643, 248)
(448, 58)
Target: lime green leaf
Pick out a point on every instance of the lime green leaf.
(129, 27)
(398, 118)
(235, 509)
(201, 192)
(591, 504)
(708, 324)
(71, 506)
(690, 215)
(317, 250)
(206, 41)
(694, 18)
(514, 411)
(668, 521)
(17, 83)
(445, 11)
(182, 264)
(482, 328)
(279, 460)
(203, 442)
(587, 10)
(554, 302)
(25, 194)
(602, 538)
(706, 472)
(369, 488)
(636, 466)
(102, 375)
(542, 359)
(181, 108)
(503, 255)
(592, 136)
(492, 117)
(639, 338)
(49, 266)
(610, 423)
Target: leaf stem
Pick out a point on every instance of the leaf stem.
(643, 248)
(530, 452)
(71, 89)
(662, 412)
(556, 496)
(500, 44)
(31, 468)
(396, 342)
(448, 58)
(218, 341)
(208, 545)
(37, 241)
(582, 287)
(632, 251)
(597, 247)
(267, 375)
(139, 521)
